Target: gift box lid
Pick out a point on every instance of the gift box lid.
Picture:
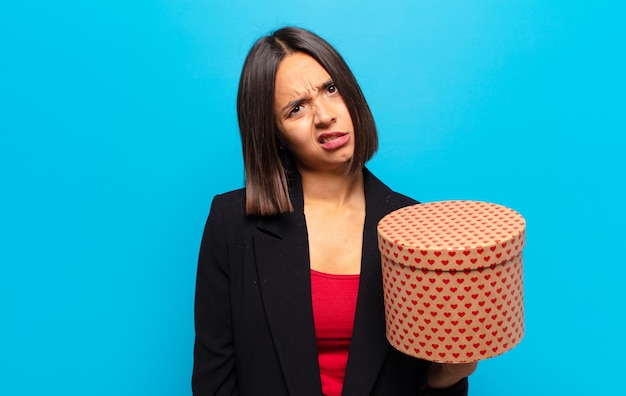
(455, 235)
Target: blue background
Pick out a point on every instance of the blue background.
(118, 125)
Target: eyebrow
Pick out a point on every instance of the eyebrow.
(299, 101)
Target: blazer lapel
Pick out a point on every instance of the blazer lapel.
(367, 352)
(281, 247)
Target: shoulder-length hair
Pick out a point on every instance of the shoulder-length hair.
(266, 162)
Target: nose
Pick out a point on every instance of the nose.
(324, 114)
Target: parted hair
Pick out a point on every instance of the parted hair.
(267, 163)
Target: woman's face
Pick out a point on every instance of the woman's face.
(311, 115)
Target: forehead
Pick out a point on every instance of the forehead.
(297, 73)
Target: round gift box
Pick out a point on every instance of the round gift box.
(453, 282)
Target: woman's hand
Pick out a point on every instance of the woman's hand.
(442, 375)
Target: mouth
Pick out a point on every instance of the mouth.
(329, 137)
(331, 141)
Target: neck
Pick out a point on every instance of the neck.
(336, 189)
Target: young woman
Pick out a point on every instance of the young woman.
(289, 286)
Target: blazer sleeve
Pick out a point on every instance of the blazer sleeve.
(459, 389)
(214, 360)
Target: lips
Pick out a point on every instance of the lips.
(327, 137)
(333, 140)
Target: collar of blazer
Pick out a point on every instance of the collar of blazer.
(284, 272)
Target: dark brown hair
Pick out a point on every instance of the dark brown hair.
(266, 164)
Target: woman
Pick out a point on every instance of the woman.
(289, 290)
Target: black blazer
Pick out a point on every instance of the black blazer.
(253, 310)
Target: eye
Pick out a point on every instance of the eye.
(332, 89)
(295, 110)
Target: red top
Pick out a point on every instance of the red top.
(334, 306)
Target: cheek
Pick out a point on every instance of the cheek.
(296, 131)
(346, 113)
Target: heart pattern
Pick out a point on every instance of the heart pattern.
(453, 280)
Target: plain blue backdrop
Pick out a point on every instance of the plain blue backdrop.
(118, 125)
